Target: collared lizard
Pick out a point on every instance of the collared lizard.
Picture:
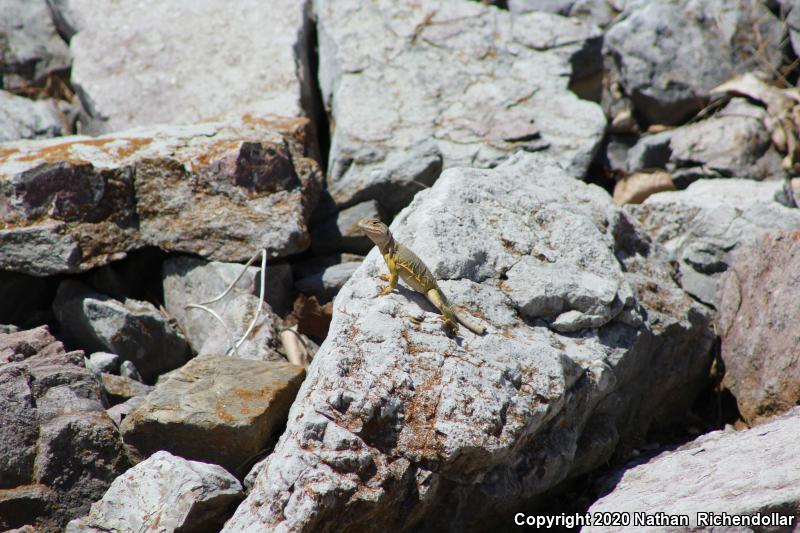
(404, 263)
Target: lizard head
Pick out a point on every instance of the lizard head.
(376, 230)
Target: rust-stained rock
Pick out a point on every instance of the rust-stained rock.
(217, 190)
(758, 324)
(215, 409)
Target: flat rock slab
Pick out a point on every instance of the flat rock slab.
(219, 191)
(215, 409)
(736, 473)
(132, 68)
(655, 46)
(704, 224)
(402, 427)
(164, 493)
(51, 406)
(758, 318)
(416, 87)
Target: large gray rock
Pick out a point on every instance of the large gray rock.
(758, 317)
(22, 118)
(414, 88)
(189, 280)
(132, 68)
(400, 426)
(30, 48)
(600, 12)
(59, 451)
(702, 225)
(164, 493)
(747, 473)
(670, 54)
(733, 143)
(134, 330)
(215, 409)
(217, 190)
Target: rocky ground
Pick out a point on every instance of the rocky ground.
(608, 186)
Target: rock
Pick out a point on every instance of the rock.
(220, 191)
(757, 320)
(164, 493)
(131, 68)
(635, 188)
(128, 370)
(188, 280)
(5, 329)
(702, 225)
(487, 83)
(31, 49)
(655, 48)
(724, 472)
(51, 407)
(215, 409)
(22, 118)
(651, 151)
(397, 420)
(121, 410)
(340, 233)
(600, 12)
(120, 389)
(133, 329)
(326, 284)
(734, 143)
(102, 362)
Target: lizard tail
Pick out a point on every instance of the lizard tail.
(453, 316)
(469, 322)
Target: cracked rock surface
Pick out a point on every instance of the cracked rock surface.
(400, 426)
(240, 59)
(412, 88)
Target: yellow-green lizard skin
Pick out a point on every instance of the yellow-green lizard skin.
(405, 264)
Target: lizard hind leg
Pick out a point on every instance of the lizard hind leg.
(436, 297)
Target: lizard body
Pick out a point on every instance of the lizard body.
(405, 264)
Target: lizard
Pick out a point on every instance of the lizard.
(404, 263)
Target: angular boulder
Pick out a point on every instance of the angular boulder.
(704, 224)
(60, 451)
(221, 191)
(752, 474)
(399, 425)
(22, 118)
(670, 54)
(215, 409)
(31, 48)
(164, 493)
(734, 143)
(189, 280)
(758, 320)
(134, 330)
(131, 68)
(415, 88)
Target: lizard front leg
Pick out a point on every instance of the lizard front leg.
(393, 274)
